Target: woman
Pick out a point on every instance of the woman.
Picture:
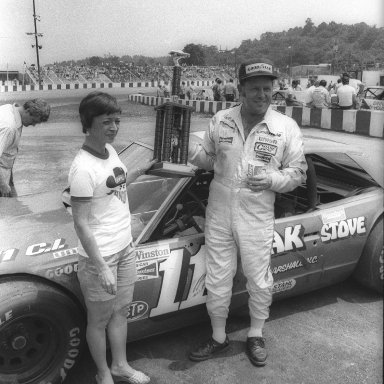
(100, 209)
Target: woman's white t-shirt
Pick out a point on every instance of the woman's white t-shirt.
(104, 181)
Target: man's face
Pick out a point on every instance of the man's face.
(257, 94)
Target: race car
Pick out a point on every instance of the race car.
(325, 231)
(374, 92)
(373, 98)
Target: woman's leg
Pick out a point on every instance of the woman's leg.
(117, 336)
(99, 314)
(117, 326)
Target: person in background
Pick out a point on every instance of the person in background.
(107, 260)
(359, 88)
(296, 85)
(191, 93)
(334, 99)
(229, 91)
(160, 90)
(320, 96)
(167, 89)
(346, 94)
(182, 90)
(240, 210)
(338, 84)
(308, 92)
(201, 95)
(291, 101)
(217, 90)
(355, 83)
(13, 117)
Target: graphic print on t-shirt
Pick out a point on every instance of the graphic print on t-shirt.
(117, 182)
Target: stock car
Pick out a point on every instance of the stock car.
(374, 92)
(326, 230)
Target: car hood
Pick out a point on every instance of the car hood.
(31, 204)
(34, 219)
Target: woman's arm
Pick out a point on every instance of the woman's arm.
(81, 209)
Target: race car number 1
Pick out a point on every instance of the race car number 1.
(183, 283)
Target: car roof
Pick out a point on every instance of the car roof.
(321, 145)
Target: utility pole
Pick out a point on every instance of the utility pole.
(290, 64)
(37, 35)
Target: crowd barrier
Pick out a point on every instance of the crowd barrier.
(362, 122)
(140, 84)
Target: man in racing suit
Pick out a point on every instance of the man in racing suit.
(240, 211)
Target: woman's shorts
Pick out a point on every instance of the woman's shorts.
(123, 267)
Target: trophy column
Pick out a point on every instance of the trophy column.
(173, 121)
(172, 131)
(176, 80)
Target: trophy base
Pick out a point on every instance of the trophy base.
(167, 169)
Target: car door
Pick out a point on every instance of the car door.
(298, 255)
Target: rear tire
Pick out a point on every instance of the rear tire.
(370, 268)
(42, 332)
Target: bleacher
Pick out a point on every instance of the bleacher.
(126, 72)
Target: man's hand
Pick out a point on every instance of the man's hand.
(108, 281)
(5, 190)
(260, 182)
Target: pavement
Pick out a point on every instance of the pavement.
(334, 335)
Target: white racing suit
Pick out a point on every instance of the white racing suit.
(238, 219)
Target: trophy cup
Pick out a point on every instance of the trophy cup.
(172, 129)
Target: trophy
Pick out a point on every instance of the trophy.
(172, 130)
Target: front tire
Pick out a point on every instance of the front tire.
(370, 268)
(42, 332)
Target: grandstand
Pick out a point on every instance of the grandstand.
(124, 72)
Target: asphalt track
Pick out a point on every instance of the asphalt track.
(334, 335)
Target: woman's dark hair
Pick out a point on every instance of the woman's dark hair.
(96, 104)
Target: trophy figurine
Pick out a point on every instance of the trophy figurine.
(172, 130)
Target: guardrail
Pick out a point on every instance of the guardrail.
(361, 122)
(94, 85)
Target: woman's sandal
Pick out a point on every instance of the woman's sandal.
(137, 378)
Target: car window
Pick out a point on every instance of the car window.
(347, 164)
(374, 92)
(147, 194)
(186, 215)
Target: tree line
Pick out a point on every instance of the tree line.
(346, 47)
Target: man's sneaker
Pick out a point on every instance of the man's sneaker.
(256, 351)
(207, 349)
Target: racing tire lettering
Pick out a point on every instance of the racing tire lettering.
(51, 349)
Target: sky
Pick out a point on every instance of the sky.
(76, 29)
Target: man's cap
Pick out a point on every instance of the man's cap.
(257, 67)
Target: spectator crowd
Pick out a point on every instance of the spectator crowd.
(122, 72)
(346, 93)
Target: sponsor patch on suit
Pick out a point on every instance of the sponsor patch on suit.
(265, 148)
(228, 140)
